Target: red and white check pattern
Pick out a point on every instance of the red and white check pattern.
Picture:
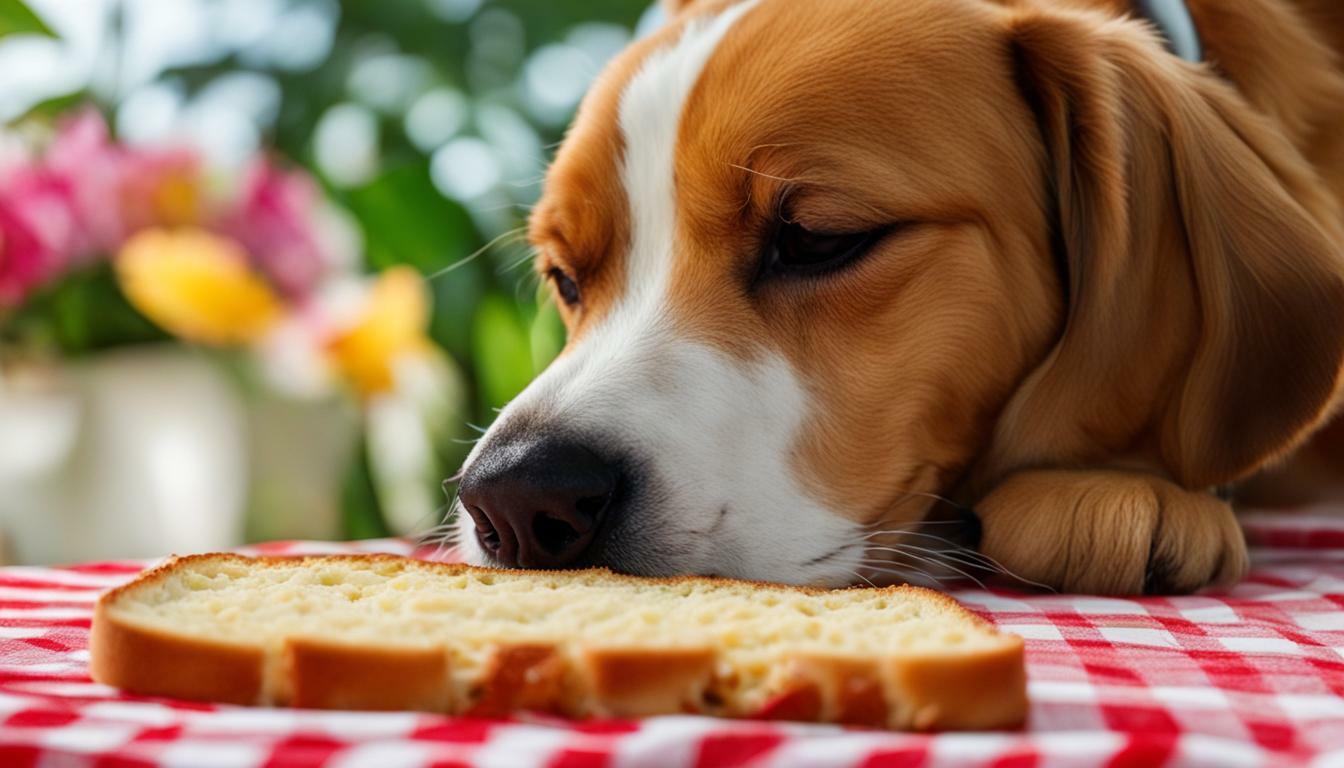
(1248, 678)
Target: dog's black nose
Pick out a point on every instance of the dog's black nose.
(538, 503)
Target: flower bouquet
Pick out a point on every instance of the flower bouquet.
(109, 250)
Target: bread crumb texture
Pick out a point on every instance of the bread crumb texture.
(384, 632)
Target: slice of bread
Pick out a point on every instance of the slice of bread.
(381, 632)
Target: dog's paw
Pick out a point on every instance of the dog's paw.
(1111, 533)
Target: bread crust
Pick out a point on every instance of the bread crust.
(328, 675)
(987, 690)
(925, 691)
(145, 660)
(634, 682)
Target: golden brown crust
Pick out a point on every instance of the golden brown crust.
(144, 660)
(326, 675)
(924, 692)
(632, 682)
(981, 689)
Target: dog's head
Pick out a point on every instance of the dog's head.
(821, 259)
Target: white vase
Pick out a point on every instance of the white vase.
(300, 450)
(132, 453)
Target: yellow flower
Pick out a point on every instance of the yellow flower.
(391, 327)
(196, 285)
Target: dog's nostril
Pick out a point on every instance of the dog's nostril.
(489, 538)
(486, 533)
(539, 503)
(552, 534)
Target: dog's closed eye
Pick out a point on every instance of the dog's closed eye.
(796, 250)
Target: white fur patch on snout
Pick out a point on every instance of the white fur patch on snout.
(714, 436)
(717, 433)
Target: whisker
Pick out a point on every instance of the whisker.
(905, 573)
(982, 560)
(446, 524)
(933, 496)
(438, 534)
(932, 557)
(989, 563)
(435, 532)
(519, 287)
(763, 174)
(962, 556)
(858, 575)
(931, 561)
(449, 539)
(501, 207)
(527, 258)
(1006, 571)
(526, 183)
(909, 527)
(433, 514)
(774, 145)
(923, 535)
(472, 257)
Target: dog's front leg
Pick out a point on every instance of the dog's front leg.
(1111, 533)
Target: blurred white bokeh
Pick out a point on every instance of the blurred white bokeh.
(478, 129)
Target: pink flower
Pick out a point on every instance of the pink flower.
(24, 261)
(82, 154)
(274, 220)
(39, 231)
(88, 194)
(118, 189)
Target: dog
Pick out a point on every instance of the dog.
(856, 288)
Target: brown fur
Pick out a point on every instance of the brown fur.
(1206, 316)
(1119, 283)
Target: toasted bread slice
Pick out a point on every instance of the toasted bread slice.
(382, 632)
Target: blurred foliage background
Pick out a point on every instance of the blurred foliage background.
(429, 121)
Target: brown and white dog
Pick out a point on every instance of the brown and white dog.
(823, 262)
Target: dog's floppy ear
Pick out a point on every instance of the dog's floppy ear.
(1205, 280)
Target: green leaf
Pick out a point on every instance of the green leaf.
(17, 19)
(48, 110)
(502, 351)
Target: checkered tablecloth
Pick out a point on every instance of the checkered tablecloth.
(1246, 678)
